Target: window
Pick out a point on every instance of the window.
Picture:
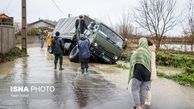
(111, 35)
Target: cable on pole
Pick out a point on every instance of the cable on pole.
(58, 7)
(8, 5)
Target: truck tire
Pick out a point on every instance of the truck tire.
(113, 62)
(73, 44)
(74, 54)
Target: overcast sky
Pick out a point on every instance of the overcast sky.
(104, 10)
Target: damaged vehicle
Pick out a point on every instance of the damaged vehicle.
(106, 45)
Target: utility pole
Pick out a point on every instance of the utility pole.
(24, 27)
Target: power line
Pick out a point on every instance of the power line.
(58, 7)
(8, 5)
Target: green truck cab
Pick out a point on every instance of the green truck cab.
(106, 44)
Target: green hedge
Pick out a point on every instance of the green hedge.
(165, 58)
(126, 54)
(173, 59)
(168, 58)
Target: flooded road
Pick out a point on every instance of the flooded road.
(103, 88)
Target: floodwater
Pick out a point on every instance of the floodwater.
(178, 47)
(104, 87)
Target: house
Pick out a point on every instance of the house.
(45, 24)
(3, 16)
(5, 19)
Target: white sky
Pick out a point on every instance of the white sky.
(105, 10)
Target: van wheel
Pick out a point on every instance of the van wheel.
(113, 62)
(74, 54)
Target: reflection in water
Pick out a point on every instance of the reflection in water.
(93, 89)
(50, 57)
(103, 88)
(178, 47)
(59, 89)
(6, 68)
(25, 100)
(81, 96)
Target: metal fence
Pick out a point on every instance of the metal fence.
(7, 38)
(6, 23)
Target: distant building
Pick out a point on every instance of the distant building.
(44, 24)
(3, 16)
(5, 19)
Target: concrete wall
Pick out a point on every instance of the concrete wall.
(7, 38)
(30, 39)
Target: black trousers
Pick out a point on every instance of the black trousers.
(58, 57)
(84, 64)
(141, 73)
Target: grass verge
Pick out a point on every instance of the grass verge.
(123, 66)
(183, 78)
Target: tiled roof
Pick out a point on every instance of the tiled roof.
(53, 23)
(3, 15)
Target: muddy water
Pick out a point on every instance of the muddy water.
(166, 94)
(169, 95)
(104, 87)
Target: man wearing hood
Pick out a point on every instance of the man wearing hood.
(58, 50)
(84, 53)
(140, 72)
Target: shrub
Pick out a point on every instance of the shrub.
(126, 54)
(122, 66)
(189, 70)
(34, 32)
(12, 54)
(175, 60)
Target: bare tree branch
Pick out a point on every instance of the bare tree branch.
(124, 28)
(156, 16)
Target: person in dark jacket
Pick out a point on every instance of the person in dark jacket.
(58, 50)
(80, 26)
(84, 53)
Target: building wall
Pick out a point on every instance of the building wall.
(7, 38)
(30, 39)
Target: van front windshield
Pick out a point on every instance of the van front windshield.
(111, 35)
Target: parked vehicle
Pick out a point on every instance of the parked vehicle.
(106, 45)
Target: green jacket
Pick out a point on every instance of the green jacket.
(141, 56)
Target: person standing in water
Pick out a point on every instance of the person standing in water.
(140, 72)
(84, 53)
(58, 50)
(152, 47)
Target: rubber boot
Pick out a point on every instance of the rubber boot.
(82, 70)
(55, 66)
(86, 71)
(61, 68)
